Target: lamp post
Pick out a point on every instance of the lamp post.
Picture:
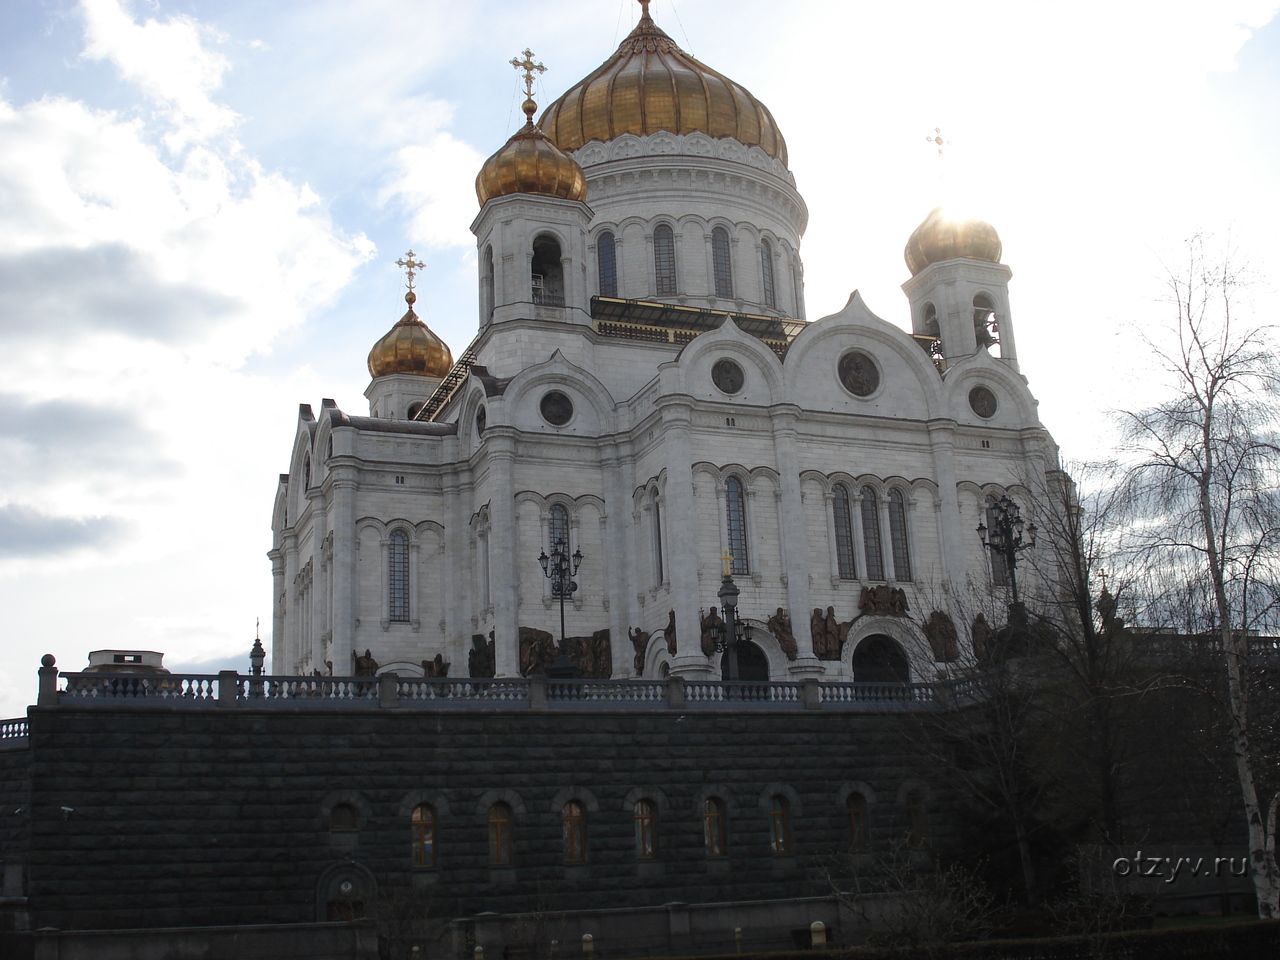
(256, 658)
(561, 568)
(1005, 540)
(729, 634)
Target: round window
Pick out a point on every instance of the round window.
(727, 376)
(557, 409)
(983, 402)
(482, 419)
(859, 373)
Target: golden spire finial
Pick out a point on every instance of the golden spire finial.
(410, 267)
(726, 558)
(644, 10)
(530, 67)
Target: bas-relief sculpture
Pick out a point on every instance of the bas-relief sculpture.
(592, 655)
(780, 626)
(829, 634)
(883, 600)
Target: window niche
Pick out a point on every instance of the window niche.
(607, 264)
(547, 271)
(664, 260)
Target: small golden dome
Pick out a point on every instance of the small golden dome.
(944, 237)
(530, 163)
(650, 84)
(410, 347)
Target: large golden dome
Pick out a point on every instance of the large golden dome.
(410, 347)
(650, 84)
(530, 163)
(945, 237)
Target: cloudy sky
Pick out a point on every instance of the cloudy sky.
(201, 202)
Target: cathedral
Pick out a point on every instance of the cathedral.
(646, 393)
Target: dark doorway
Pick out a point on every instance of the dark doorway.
(879, 659)
(753, 665)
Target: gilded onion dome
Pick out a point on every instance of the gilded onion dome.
(943, 237)
(650, 84)
(530, 163)
(410, 347)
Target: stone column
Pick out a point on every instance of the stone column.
(277, 610)
(682, 546)
(344, 568)
(796, 556)
(503, 548)
(613, 546)
(289, 633)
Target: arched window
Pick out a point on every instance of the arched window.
(766, 273)
(985, 328)
(931, 320)
(573, 821)
(736, 516)
(306, 473)
(879, 659)
(398, 576)
(843, 517)
(547, 272)
(871, 534)
(646, 817)
(916, 826)
(342, 818)
(779, 824)
(422, 835)
(486, 285)
(858, 833)
(898, 536)
(720, 263)
(657, 540)
(664, 260)
(713, 827)
(607, 264)
(999, 566)
(500, 835)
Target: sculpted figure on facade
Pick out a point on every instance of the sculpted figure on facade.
(883, 600)
(364, 666)
(669, 631)
(940, 631)
(640, 641)
(537, 651)
(480, 658)
(438, 667)
(593, 655)
(780, 626)
(981, 634)
(710, 623)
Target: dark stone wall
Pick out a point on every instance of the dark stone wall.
(206, 816)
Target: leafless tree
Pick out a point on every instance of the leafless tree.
(1204, 477)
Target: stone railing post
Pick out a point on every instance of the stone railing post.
(47, 694)
(675, 693)
(811, 693)
(228, 687)
(537, 692)
(389, 690)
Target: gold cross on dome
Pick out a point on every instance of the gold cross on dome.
(410, 266)
(938, 141)
(529, 66)
(726, 558)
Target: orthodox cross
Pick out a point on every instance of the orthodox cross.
(410, 266)
(529, 66)
(938, 141)
(726, 558)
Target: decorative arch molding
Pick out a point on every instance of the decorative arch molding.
(656, 654)
(850, 787)
(906, 633)
(982, 368)
(776, 789)
(720, 792)
(581, 795)
(769, 646)
(499, 795)
(352, 797)
(696, 356)
(651, 793)
(560, 372)
(416, 797)
(345, 881)
(753, 478)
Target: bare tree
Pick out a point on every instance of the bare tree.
(1205, 479)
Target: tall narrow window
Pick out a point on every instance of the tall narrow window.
(646, 817)
(779, 824)
(713, 827)
(306, 474)
(558, 535)
(607, 264)
(342, 817)
(486, 286)
(999, 567)
(573, 822)
(916, 825)
(736, 511)
(857, 807)
(500, 835)
(766, 273)
(720, 262)
(664, 260)
(422, 835)
(657, 540)
(898, 536)
(398, 576)
(843, 517)
(871, 534)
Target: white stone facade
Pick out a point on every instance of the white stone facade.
(644, 465)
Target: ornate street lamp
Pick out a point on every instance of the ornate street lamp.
(732, 631)
(256, 658)
(561, 568)
(1005, 540)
